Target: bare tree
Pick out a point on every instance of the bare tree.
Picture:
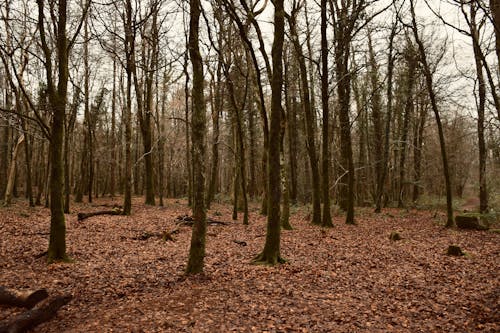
(450, 222)
(198, 128)
(270, 255)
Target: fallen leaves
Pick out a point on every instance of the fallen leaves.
(345, 279)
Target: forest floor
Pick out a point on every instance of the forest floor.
(345, 279)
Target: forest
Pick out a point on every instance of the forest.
(249, 166)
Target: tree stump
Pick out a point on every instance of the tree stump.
(395, 236)
(472, 222)
(454, 250)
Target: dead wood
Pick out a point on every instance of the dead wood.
(188, 220)
(83, 216)
(454, 250)
(165, 235)
(395, 236)
(42, 312)
(25, 298)
(471, 222)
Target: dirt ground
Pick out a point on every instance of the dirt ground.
(345, 279)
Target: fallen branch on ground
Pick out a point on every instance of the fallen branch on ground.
(165, 235)
(42, 312)
(188, 220)
(25, 299)
(83, 216)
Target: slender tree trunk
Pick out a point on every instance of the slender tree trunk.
(327, 216)
(12, 171)
(285, 205)
(483, 191)
(376, 115)
(198, 127)
(27, 157)
(252, 184)
(270, 255)
(292, 137)
(408, 109)
(430, 89)
(67, 188)
(388, 122)
(88, 117)
(4, 148)
(417, 151)
(216, 111)
(495, 11)
(127, 112)
(343, 91)
(112, 167)
(58, 100)
(310, 125)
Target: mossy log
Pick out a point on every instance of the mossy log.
(24, 299)
(454, 250)
(42, 312)
(472, 222)
(83, 216)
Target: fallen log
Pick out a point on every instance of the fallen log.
(42, 312)
(165, 235)
(24, 299)
(83, 216)
(189, 221)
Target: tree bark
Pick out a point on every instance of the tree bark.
(127, 111)
(270, 255)
(198, 128)
(43, 312)
(327, 216)
(25, 299)
(408, 109)
(12, 171)
(388, 121)
(483, 191)
(310, 124)
(430, 89)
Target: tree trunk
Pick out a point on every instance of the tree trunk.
(127, 112)
(388, 122)
(327, 217)
(417, 151)
(483, 191)
(376, 115)
(430, 89)
(4, 150)
(12, 171)
(216, 111)
(310, 124)
(408, 109)
(270, 255)
(343, 91)
(198, 127)
(495, 11)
